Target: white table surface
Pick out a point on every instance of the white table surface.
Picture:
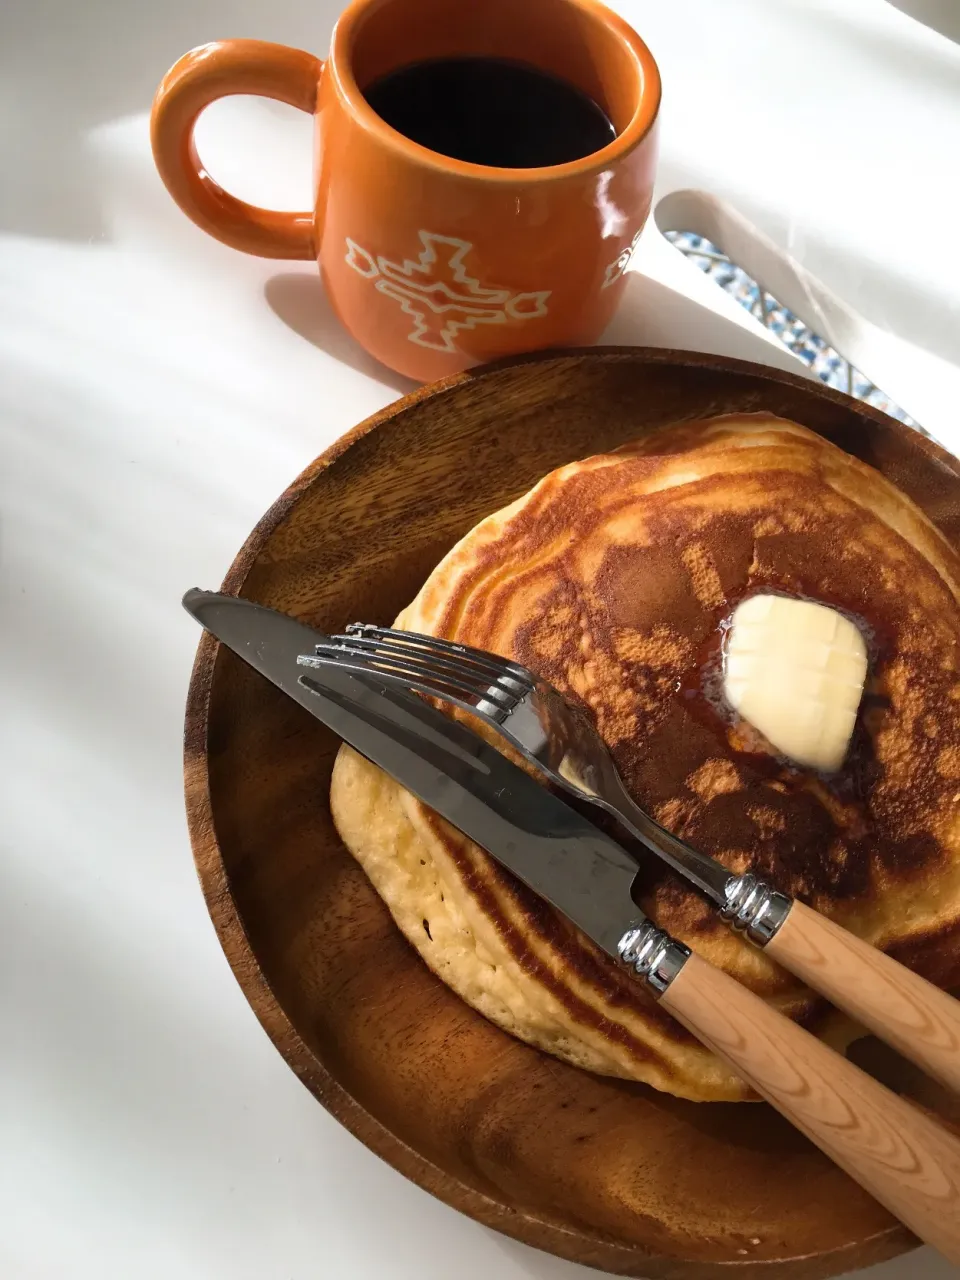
(157, 391)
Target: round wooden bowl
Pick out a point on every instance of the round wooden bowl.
(603, 1172)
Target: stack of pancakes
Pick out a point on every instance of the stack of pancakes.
(612, 579)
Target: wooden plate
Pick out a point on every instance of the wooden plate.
(595, 1170)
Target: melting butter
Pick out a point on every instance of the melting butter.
(795, 670)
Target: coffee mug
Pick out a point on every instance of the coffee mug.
(434, 263)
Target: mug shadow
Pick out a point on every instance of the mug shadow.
(298, 299)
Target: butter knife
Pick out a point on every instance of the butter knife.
(898, 1153)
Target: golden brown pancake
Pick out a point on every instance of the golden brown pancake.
(611, 579)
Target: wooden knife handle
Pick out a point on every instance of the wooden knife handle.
(900, 1155)
(909, 1013)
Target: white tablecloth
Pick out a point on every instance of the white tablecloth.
(157, 391)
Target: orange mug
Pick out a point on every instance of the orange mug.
(433, 263)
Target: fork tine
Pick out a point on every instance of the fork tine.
(426, 660)
(414, 639)
(491, 713)
(465, 658)
(411, 675)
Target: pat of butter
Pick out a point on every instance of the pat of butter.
(795, 671)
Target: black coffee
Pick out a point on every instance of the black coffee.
(491, 111)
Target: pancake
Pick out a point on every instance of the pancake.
(611, 578)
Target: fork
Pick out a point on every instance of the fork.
(906, 1011)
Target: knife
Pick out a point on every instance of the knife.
(899, 1154)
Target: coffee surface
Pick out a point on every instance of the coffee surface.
(491, 111)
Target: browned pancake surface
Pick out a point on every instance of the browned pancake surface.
(612, 579)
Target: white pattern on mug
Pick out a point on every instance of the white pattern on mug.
(619, 265)
(438, 294)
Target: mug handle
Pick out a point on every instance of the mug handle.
(200, 77)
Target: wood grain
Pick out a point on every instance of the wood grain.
(912, 1015)
(606, 1173)
(909, 1162)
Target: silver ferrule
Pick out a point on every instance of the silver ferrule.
(656, 957)
(755, 909)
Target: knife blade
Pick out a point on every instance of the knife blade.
(548, 845)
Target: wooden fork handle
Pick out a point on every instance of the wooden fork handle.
(900, 1155)
(912, 1015)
